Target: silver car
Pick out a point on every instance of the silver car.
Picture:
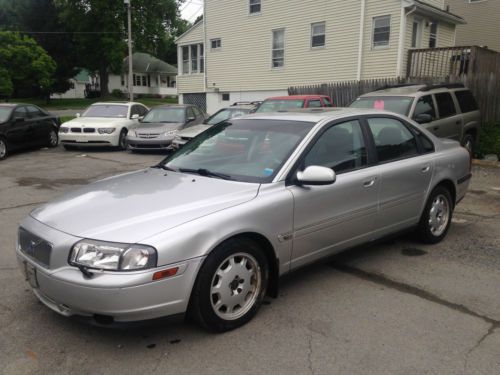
(210, 229)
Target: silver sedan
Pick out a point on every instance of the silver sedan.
(211, 229)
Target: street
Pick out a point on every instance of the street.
(397, 307)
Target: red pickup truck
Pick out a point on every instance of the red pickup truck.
(286, 103)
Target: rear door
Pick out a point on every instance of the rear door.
(42, 124)
(449, 123)
(426, 106)
(18, 132)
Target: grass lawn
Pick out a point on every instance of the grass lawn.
(56, 104)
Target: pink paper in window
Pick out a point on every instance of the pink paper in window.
(379, 104)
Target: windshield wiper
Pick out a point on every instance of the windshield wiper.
(206, 173)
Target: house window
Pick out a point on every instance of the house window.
(215, 43)
(278, 55)
(225, 97)
(381, 31)
(433, 35)
(318, 34)
(185, 60)
(416, 35)
(255, 6)
(144, 80)
(122, 80)
(202, 58)
(194, 58)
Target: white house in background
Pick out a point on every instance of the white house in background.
(151, 76)
(245, 50)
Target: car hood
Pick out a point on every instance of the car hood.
(134, 206)
(91, 121)
(193, 131)
(158, 127)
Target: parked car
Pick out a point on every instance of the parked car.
(102, 124)
(448, 111)
(26, 125)
(292, 102)
(159, 127)
(185, 135)
(211, 228)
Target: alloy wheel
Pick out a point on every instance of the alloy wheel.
(53, 139)
(3, 149)
(439, 215)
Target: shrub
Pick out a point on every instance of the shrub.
(117, 93)
(489, 139)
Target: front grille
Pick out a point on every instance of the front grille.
(76, 130)
(35, 247)
(148, 135)
(89, 130)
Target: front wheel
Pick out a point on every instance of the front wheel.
(53, 138)
(436, 218)
(468, 143)
(230, 286)
(122, 140)
(4, 151)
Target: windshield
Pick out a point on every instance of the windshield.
(275, 105)
(165, 114)
(5, 113)
(225, 114)
(398, 104)
(242, 150)
(106, 110)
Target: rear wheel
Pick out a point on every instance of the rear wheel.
(436, 218)
(4, 151)
(230, 285)
(468, 143)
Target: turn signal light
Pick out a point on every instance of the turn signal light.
(165, 273)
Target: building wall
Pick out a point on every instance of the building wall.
(190, 83)
(78, 92)
(483, 22)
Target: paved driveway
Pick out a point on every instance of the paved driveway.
(394, 308)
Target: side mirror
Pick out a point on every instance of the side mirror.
(78, 115)
(135, 116)
(316, 175)
(190, 119)
(423, 118)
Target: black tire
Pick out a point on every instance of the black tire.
(427, 231)
(469, 142)
(53, 138)
(122, 141)
(203, 298)
(4, 148)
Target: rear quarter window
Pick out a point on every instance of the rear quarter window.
(445, 104)
(466, 101)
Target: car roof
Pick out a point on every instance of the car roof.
(295, 97)
(117, 103)
(10, 105)
(412, 90)
(317, 114)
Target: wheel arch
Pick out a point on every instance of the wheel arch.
(450, 186)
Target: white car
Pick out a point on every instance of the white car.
(102, 124)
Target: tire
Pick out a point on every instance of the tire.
(4, 149)
(227, 294)
(468, 142)
(53, 138)
(436, 218)
(122, 140)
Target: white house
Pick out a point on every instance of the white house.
(151, 76)
(246, 50)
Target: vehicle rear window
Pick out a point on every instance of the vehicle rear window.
(445, 105)
(316, 103)
(5, 113)
(275, 105)
(397, 104)
(466, 101)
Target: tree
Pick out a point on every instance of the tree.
(25, 64)
(104, 50)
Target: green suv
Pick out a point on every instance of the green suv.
(448, 110)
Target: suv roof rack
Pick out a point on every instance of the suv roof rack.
(385, 87)
(443, 86)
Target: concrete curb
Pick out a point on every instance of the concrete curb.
(486, 163)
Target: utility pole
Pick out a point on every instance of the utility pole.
(130, 64)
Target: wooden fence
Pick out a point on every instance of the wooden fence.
(477, 68)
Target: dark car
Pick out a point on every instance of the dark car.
(24, 126)
(159, 126)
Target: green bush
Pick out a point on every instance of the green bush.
(117, 93)
(489, 139)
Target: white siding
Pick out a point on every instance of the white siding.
(190, 83)
(436, 3)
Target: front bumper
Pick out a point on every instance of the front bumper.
(122, 296)
(91, 139)
(159, 143)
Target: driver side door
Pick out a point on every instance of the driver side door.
(330, 218)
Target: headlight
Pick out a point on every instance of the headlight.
(112, 256)
(170, 132)
(63, 130)
(106, 130)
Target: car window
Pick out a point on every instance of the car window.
(466, 101)
(106, 110)
(340, 148)
(397, 104)
(225, 114)
(314, 103)
(197, 112)
(327, 102)
(142, 110)
(445, 105)
(393, 140)
(5, 113)
(135, 110)
(425, 105)
(21, 112)
(34, 111)
(165, 114)
(275, 105)
(427, 145)
(191, 112)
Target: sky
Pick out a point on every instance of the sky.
(191, 9)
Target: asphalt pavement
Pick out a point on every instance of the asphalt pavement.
(397, 307)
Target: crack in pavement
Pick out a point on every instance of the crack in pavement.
(309, 354)
(490, 331)
(409, 289)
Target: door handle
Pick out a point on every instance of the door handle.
(369, 182)
(426, 168)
